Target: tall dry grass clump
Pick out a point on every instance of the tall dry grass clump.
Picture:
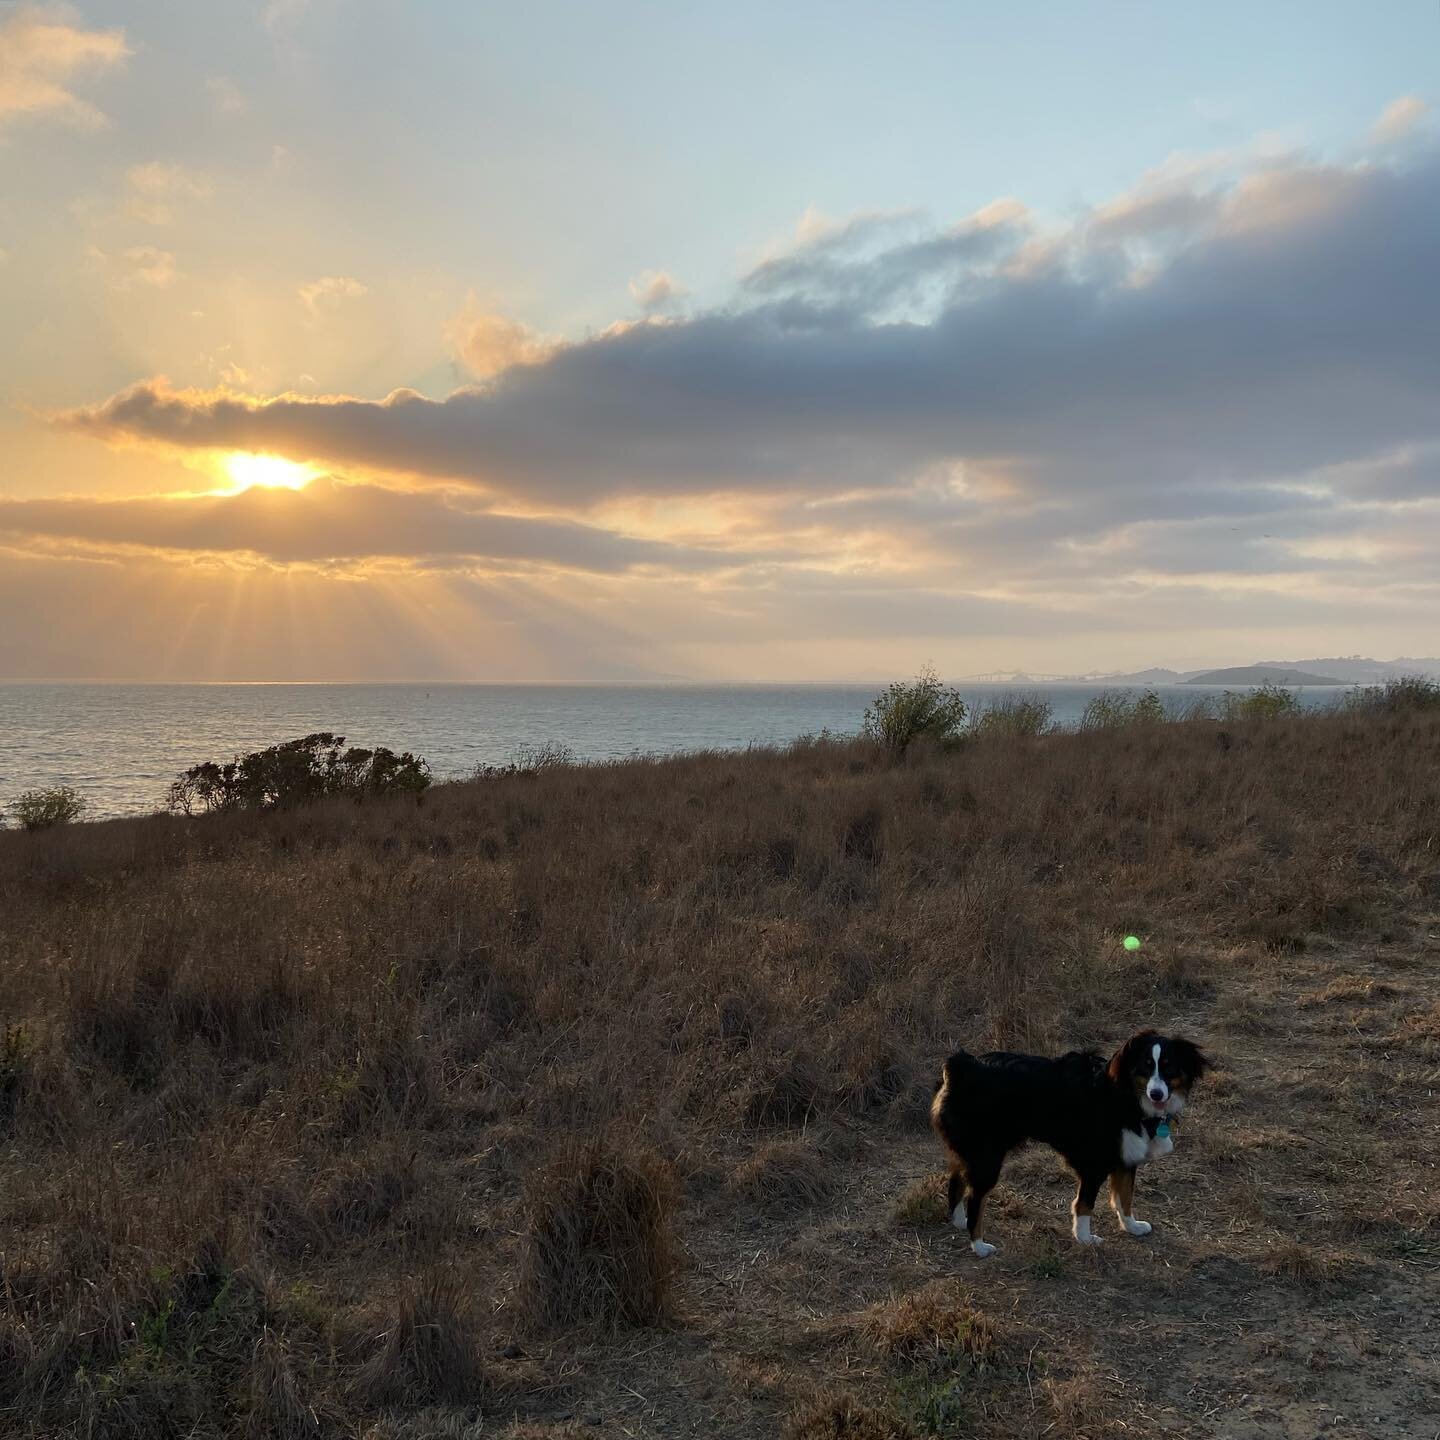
(427, 1353)
(599, 1244)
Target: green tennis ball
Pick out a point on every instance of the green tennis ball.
(1132, 942)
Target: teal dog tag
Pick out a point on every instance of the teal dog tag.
(1162, 1131)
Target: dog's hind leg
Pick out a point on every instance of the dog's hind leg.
(982, 1172)
(1084, 1208)
(955, 1198)
(1122, 1197)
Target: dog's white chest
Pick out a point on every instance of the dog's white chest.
(1134, 1146)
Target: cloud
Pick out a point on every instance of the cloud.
(488, 343)
(153, 188)
(857, 263)
(1400, 118)
(228, 96)
(328, 291)
(1291, 331)
(1215, 391)
(656, 291)
(142, 265)
(41, 58)
(281, 16)
(330, 520)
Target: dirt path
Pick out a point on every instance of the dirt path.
(1291, 1287)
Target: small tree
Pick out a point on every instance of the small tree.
(55, 805)
(295, 772)
(903, 712)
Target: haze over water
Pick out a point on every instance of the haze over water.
(121, 745)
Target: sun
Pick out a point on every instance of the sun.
(270, 472)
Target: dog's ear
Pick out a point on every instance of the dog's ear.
(1123, 1058)
(1193, 1060)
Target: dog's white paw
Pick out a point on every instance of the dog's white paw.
(1134, 1226)
(958, 1218)
(1084, 1235)
(1088, 1240)
(982, 1248)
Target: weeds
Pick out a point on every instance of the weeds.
(1410, 693)
(1117, 709)
(1012, 715)
(1265, 702)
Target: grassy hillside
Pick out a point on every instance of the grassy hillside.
(592, 1102)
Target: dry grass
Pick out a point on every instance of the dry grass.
(785, 1175)
(316, 1054)
(931, 1328)
(427, 1351)
(599, 1249)
(844, 1418)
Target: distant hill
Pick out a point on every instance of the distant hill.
(1361, 670)
(1342, 670)
(1261, 675)
(1155, 675)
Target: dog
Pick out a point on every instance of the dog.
(1106, 1120)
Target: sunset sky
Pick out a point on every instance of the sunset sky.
(347, 339)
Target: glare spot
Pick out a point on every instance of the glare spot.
(271, 472)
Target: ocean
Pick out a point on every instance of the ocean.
(120, 746)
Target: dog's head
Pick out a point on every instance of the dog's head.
(1160, 1069)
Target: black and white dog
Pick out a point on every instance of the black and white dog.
(1106, 1120)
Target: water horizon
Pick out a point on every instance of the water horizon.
(121, 743)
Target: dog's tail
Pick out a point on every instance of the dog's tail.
(955, 1071)
(954, 1080)
(954, 1075)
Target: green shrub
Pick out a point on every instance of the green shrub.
(1012, 715)
(1409, 692)
(1114, 709)
(904, 712)
(1265, 702)
(56, 805)
(295, 772)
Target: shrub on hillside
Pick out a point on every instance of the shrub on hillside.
(907, 711)
(1410, 692)
(55, 805)
(1012, 715)
(1265, 702)
(295, 772)
(1114, 709)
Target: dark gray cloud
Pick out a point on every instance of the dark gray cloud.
(333, 521)
(1294, 329)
